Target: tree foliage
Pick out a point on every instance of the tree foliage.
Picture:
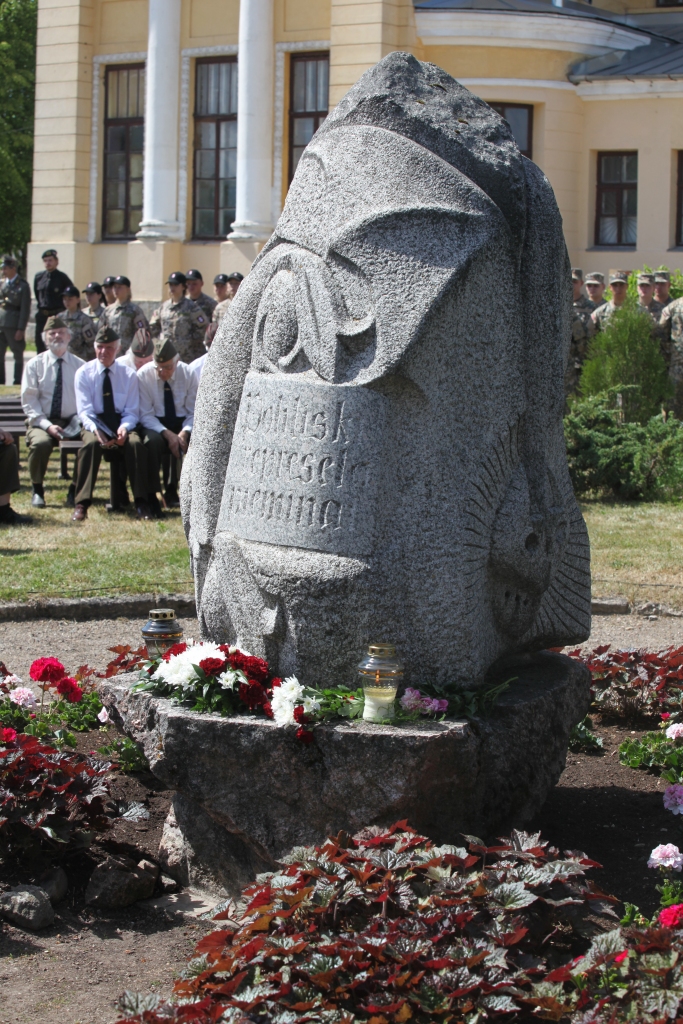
(18, 26)
(628, 460)
(628, 353)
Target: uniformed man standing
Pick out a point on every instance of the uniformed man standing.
(48, 287)
(15, 306)
(180, 320)
(48, 398)
(583, 330)
(108, 289)
(671, 325)
(595, 286)
(9, 480)
(663, 287)
(125, 317)
(618, 282)
(82, 329)
(94, 295)
(225, 287)
(195, 282)
(646, 298)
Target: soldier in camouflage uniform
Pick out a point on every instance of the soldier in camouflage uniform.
(94, 295)
(646, 300)
(195, 282)
(671, 325)
(595, 286)
(618, 282)
(583, 330)
(180, 320)
(82, 329)
(225, 287)
(663, 287)
(124, 317)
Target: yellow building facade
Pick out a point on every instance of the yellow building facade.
(167, 131)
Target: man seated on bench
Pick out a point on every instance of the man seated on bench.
(168, 390)
(48, 398)
(9, 480)
(108, 399)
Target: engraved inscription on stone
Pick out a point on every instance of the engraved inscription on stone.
(303, 465)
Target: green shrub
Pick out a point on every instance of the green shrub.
(654, 751)
(627, 460)
(676, 289)
(626, 353)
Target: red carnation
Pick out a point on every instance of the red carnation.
(276, 682)
(8, 735)
(212, 666)
(172, 651)
(300, 714)
(671, 917)
(47, 670)
(255, 669)
(305, 735)
(70, 689)
(253, 695)
(268, 709)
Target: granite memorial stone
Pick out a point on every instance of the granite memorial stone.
(377, 454)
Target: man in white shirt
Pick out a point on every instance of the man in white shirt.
(168, 390)
(140, 352)
(48, 398)
(108, 400)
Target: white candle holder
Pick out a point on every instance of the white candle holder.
(381, 674)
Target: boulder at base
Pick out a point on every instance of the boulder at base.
(27, 906)
(248, 791)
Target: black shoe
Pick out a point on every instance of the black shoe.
(155, 506)
(8, 517)
(171, 499)
(71, 496)
(142, 510)
(113, 508)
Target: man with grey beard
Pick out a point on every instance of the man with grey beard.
(48, 398)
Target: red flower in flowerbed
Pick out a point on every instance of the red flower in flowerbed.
(47, 670)
(70, 690)
(672, 917)
(47, 799)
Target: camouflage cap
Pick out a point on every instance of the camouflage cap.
(616, 276)
(646, 279)
(55, 323)
(595, 278)
(577, 274)
(142, 345)
(106, 336)
(164, 350)
(662, 277)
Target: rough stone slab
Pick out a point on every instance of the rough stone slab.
(610, 606)
(83, 609)
(27, 906)
(248, 791)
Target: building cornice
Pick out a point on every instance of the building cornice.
(522, 30)
(630, 88)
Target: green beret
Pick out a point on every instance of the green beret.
(105, 336)
(164, 350)
(55, 323)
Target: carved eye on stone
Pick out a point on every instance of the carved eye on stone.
(278, 325)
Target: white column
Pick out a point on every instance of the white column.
(160, 184)
(256, 60)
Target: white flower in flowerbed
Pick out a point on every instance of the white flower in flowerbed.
(675, 731)
(673, 799)
(22, 696)
(666, 856)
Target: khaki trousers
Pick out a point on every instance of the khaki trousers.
(40, 447)
(90, 455)
(9, 468)
(159, 457)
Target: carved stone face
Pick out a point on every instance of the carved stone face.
(394, 464)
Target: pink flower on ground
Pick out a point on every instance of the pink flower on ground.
(675, 731)
(22, 696)
(12, 680)
(671, 917)
(665, 716)
(103, 716)
(412, 700)
(432, 705)
(666, 855)
(673, 799)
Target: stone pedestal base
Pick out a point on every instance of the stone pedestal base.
(248, 791)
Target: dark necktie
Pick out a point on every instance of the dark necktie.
(169, 402)
(109, 415)
(56, 407)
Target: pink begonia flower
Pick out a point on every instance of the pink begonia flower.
(103, 716)
(24, 697)
(411, 700)
(12, 680)
(666, 856)
(435, 706)
(675, 731)
(665, 716)
(673, 799)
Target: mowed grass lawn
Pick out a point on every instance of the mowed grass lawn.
(109, 554)
(636, 549)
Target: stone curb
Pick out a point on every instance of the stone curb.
(82, 609)
(610, 606)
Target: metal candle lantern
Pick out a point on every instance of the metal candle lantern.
(161, 631)
(381, 674)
